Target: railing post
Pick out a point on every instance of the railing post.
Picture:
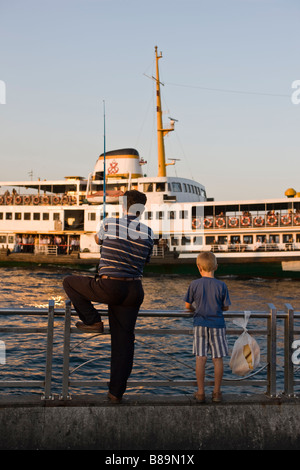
(271, 353)
(66, 358)
(288, 340)
(49, 351)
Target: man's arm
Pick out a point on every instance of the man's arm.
(189, 307)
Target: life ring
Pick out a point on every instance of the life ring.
(1, 200)
(207, 223)
(56, 200)
(286, 219)
(233, 222)
(27, 199)
(297, 219)
(220, 222)
(272, 220)
(246, 220)
(18, 200)
(8, 199)
(36, 200)
(259, 221)
(45, 199)
(196, 223)
(65, 200)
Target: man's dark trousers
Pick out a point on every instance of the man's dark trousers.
(123, 299)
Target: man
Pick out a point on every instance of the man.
(126, 245)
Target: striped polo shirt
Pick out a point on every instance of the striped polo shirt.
(126, 245)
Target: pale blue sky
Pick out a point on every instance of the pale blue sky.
(228, 68)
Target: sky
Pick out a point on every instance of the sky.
(228, 67)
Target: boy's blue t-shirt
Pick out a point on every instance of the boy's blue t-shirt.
(209, 295)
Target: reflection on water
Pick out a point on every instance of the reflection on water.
(157, 357)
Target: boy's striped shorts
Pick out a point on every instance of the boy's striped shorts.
(210, 339)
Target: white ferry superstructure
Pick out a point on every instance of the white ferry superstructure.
(61, 217)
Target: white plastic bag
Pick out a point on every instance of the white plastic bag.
(245, 355)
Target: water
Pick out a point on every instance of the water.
(156, 357)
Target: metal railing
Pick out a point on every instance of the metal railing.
(269, 382)
(48, 330)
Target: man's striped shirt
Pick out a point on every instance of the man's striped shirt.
(126, 246)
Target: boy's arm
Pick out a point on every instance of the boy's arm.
(225, 308)
(189, 307)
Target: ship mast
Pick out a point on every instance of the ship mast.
(161, 132)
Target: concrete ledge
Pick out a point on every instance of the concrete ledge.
(150, 423)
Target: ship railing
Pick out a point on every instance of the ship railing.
(268, 372)
(158, 251)
(46, 249)
(37, 199)
(242, 247)
(247, 221)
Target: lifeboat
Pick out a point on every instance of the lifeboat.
(112, 196)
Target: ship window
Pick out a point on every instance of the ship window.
(183, 214)
(91, 216)
(210, 240)
(248, 239)
(45, 216)
(8, 216)
(159, 215)
(56, 216)
(184, 187)
(287, 238)
(2, 239)
(172, 215)
(160, 187)
(36, 216)
(174, 241)
(198, 241)
(148, 216)
(27, 216)
(18, 216)
(1, 215)
(148, 187)
(186, 241)
(176, 187)
(235, 239)
(222, 239)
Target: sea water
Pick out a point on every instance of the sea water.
(159, 357)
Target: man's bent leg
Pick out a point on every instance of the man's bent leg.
(81, 291)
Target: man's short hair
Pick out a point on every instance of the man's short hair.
(207, 261)
(133, 197)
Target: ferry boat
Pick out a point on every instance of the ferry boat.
(60, 218)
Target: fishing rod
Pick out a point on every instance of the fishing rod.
(104, 164)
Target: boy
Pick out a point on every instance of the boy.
(211, 299)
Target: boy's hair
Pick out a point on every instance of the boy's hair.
(207, 261)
